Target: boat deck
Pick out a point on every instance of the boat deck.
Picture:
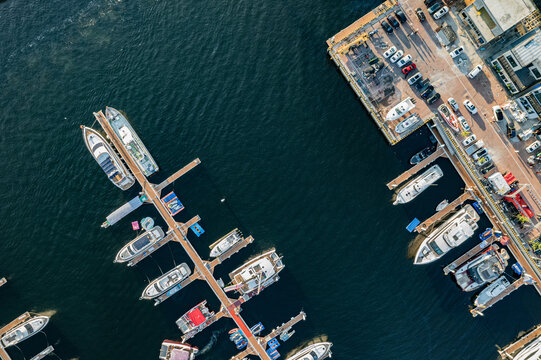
(508, 351)
(3, 354)
(468, 255)
(515, 285)
(42, 354)
(416, 168)
(3, 281)
(220, 314)
(442, 213)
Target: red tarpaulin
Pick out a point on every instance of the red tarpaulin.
(510, 178)
(520, 204)
(196, 317)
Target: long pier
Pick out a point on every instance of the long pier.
(515, 285)
(180, 236)
(171, 179)
(415, 169)
(509, 350)
(3, 354)
(442, 213)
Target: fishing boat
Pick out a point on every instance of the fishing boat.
(442, 205)
(316, 351)
(139, 244)
(167, 281)
(530, 352)
(491, 291)
(449, 117)
(107, 158)
(174, 350)
(453, 232)
(195, 319)
(24, 330)
(258, 273)
(484, 268)
(133, 145)
(416, 186)
(408, 123)
(400, 109)
(421, 155)
(225, 243)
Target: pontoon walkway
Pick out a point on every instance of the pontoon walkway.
(415, 169)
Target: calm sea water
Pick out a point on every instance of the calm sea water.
(247, 87)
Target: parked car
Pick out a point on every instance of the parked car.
(429, 3)
(469, 140)
(421, 84)
(511, 131)
(471, 108)
(459, 50)
(392, 20)
(441, 12)
(389, 52)
(487, 168)
(484, 161)
(385, 25)
(412, 80)
(396, 56)
(409, 69)
(433, 98)
(400, 16)
(476, 70)
(404, 60)
(432, 9)
(479, 153)
(453, 104)
(464, 124)
(533, 146)
(420, 14)
(426, 93)
(498, 113)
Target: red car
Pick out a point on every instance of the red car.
(409, 69)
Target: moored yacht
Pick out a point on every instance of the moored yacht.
(225, 243)
(418, 185)
(132, 143)
(139, 244)
(491, 291)
(107, 158)
(449, 117)
(484, 268)
(421, 155)
(24, 330)
(316, 351)
(195, 319)
(174, 350)
(167, 281)
(257, 274)
(400, 109)
(531, 352)
(453, 232)
(407, 124)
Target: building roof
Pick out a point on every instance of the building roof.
(529, 49)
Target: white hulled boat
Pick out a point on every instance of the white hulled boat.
(449, 117)
(225, 243)
(400, 109)
(484, 268)
(139, 244)
(24, 330)
(408, 123)
(195, 319)
(257, 274)
(316, 351)
(531, 352)
(167, 281)
(491, 291)
(174, 350)
(453, 232)
(108, 160)
(418, 185)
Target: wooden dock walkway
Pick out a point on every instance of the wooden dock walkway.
(3, 354)
(180, 236)
(171, 179)
(415, 169)
(42, 354)
(468, 255)
(442, 213)
(515, 285)
(509, 351)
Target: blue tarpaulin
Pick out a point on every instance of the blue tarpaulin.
(413, 224)
(197, 229)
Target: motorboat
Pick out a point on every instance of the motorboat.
(167, 281)
(318, 351)
(449, 117)
(107, 158)
(408, 123)
(531, 352)
(491, 291)
(421, 155)
(442, 205)
(131, 141)
(484, 268)
(139, 244)
(452, 233)
(400, 109)
(195, 319)
(257, 274)
(225, 243)
(174, 350)
(24, 330)
(416, 186)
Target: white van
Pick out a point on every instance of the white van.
(476, 70)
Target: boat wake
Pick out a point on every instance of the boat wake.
(48, 313)
(414, 245)
(213, 339)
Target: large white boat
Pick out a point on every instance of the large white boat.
(400, 109)
(491, 291)
(484, 268)
(167, 281)
(174, 350)
(316, 351)
(195, 319)
(418, 185)
(108, 160)
(225, 243)
(139, 244)
(531, 352)
(24, 330)
(408, 123)
(257, 274)
(133, 145)
(453, 232)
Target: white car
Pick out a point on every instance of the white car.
(441, 12)
(453, 104)
(469, 140)
(533, 146)
(397, 56)
(456, 52)
(404, 60)
(464, 124)
(389, 52)
(412, 80)
(471, 108)
(498, 113)
(476, 70)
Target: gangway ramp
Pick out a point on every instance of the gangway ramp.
(415, 169)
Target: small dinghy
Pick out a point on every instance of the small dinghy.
(442, 205)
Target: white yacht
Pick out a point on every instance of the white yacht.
(258, 273)
(316, 351)
(24, 330)
(225, 243)
(107, 158)
(400, 109)
(491, 291)
(530, 352)
(418, 185)
(139, 244)
(484, 268)
(407, 124)
(165, 282)
(453, 232)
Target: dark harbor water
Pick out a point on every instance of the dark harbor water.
(247, 87)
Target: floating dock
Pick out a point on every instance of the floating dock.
(515, 285)
(509, 351)
(171, 179)
(124, 210)
(3, 354)
(49, 349)
(415, 169)
(443, 212)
